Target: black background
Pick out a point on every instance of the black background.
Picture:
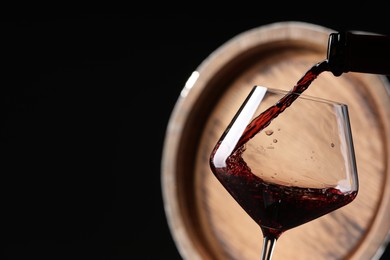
(85, 104)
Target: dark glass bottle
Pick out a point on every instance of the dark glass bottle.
(358, 52)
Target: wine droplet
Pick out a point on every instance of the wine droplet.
(275, 140)
(269, 132)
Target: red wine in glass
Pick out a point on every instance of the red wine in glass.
(276, 207)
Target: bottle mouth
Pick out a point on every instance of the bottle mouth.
(336, 53)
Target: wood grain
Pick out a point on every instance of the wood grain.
(205, 221)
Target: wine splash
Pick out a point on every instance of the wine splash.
(265, 118)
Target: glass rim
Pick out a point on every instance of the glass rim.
(303, 96)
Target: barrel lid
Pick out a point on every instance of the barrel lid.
(204, 220)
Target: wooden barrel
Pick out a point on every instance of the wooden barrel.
(205, 221)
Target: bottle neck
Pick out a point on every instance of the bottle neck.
(357, 52)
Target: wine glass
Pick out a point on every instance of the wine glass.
(287, 159)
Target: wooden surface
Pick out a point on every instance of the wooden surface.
(205, 221)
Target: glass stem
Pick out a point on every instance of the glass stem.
(268, 248)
